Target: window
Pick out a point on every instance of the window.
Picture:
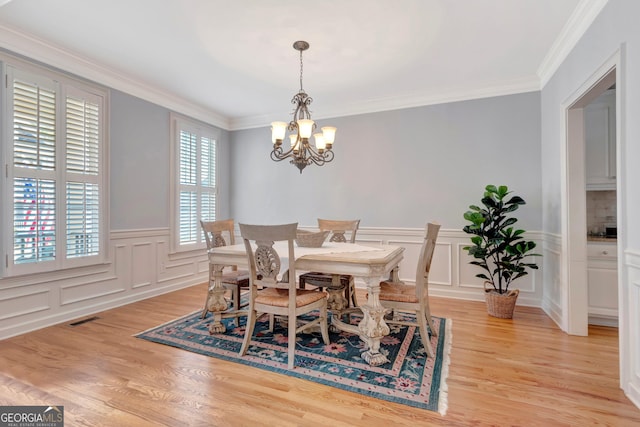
(194, 195)
(54, 176)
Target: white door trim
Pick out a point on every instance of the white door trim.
(573, 210)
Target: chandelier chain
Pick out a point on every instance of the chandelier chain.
(301, 89)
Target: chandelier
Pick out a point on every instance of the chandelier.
(301, 152)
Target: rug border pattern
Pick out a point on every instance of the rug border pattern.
(435, 397)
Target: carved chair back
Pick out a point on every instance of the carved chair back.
(264, 261)
(218, 233)
(338, 229)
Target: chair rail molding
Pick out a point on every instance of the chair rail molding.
(451, 274)
(142, 267)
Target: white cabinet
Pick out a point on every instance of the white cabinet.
(600, 142)
(602, 277)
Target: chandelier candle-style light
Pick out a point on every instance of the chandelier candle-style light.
(301, 152)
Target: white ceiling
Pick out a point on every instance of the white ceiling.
(233, 64)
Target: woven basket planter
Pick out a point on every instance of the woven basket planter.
(500, 305)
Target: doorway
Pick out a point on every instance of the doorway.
(576, 230)
(602, 221)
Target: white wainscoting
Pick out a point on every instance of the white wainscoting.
(142, 267)
(451, 274)
(630, 315)
(553, 287)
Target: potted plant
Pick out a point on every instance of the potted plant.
(498, 248)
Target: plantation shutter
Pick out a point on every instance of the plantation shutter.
(208, 178)
(197, 182)
(82, 192)
(188, 187)
(34, 170)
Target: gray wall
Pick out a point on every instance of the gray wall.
(615, 27)
(399, 168)
(139, 164)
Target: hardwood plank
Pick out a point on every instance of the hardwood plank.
(523, 371)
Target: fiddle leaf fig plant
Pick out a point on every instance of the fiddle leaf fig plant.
(497, 247)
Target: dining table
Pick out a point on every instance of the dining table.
(370, 262)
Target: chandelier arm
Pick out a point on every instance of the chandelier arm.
(317, 162)
(275, 157)
(278, 154)
(326, 157)
(313, 151)
(319, 158)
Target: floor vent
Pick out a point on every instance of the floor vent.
(80, 322)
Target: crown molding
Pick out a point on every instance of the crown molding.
(578, 23)
(52, 55)
(531, 84)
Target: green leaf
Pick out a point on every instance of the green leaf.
(516, 200)
(510, 208)
(509, 221)
(475, 217)
(489, 202)
(502, 191)
(479, 264)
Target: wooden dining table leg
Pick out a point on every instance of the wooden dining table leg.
(372, 328)
(336, 299)
(216, 302)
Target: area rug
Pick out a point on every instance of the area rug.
(410, 377)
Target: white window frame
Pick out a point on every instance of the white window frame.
(63, 85)
(178, 124)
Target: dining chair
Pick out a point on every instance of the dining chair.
(338, 229)
(270, 294)
(221, 233)
(401, 297)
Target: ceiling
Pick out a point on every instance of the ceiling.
(232, 63)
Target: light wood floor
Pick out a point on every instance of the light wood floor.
(519, 372)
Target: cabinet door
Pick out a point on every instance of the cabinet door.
(603, 291)
(602, 279)
(600, 143)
